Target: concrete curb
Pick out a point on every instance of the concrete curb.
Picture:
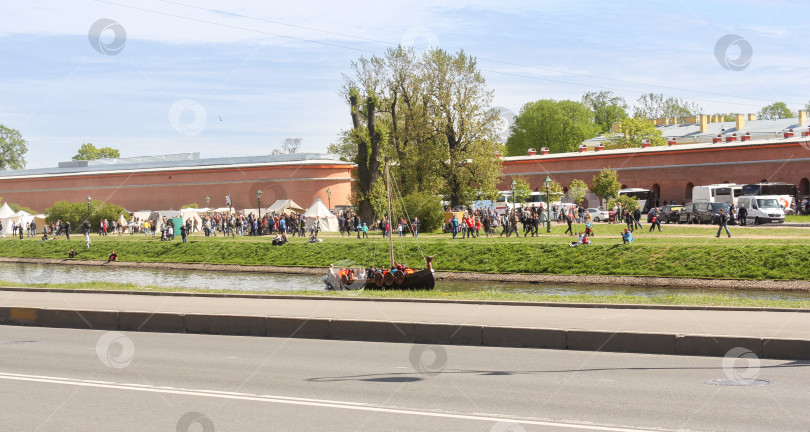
(406, 332)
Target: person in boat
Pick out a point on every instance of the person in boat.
(371, 272)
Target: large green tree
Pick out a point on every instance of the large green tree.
(632, 131)
(363, 91)
(89, 152)
(12, 149)
(774, 111)
(415, 143)
(607, 108)
(430, 115)
(559, 125)
(458, 106)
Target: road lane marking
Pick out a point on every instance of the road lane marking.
(322, 403)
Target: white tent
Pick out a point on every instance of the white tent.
(21, 217)
(222, 210)
(40, 221)
(318, 212)
(255, 212)
(5, 211)
(284, 205)
(193, 214)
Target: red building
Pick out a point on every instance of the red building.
(168, 182)
(704, 150)
(671, 171)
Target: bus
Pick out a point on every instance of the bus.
(723, 192)
(786, 192)
(538, 198)
(644, 196)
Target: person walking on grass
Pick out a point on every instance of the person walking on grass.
(723, 221)
(86, 229)
(568, 219)
(655, 221)
(628, 219)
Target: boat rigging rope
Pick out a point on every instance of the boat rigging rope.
(407, 218)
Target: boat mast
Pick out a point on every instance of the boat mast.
(390, 215)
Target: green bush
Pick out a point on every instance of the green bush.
(76, 213)
(425, 206)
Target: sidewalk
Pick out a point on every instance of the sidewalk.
(769, 334)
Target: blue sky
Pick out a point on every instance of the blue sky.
(242, 76)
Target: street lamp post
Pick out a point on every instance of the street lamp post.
(514, 186)
(88, 207)
(259, 198)
(329, 198)
(547, 184)
(514, 217)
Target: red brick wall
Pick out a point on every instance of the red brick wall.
(171, 189)
(673, 168)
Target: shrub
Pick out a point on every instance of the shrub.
(76, 213)
(425, 206)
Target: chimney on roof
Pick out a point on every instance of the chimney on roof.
(740, 121)
(673, 121)
(752, 117)
(532, 151)
(802, 117)
(704, 122)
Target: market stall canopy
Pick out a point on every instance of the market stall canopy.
(284, 205)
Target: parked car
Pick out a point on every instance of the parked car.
(686, 214)
(669, 213)
(599, 214)
(710, 212)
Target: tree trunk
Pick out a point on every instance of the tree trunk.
(368, 155)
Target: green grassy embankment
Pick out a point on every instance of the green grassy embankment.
(681, 251)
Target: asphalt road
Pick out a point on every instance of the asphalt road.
(88, 380)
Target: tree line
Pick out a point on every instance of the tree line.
(563, 125)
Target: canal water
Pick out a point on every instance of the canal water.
(247, 282)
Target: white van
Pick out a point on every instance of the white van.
(762, 208)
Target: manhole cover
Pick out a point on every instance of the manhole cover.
(16, 342)
(741, 382)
